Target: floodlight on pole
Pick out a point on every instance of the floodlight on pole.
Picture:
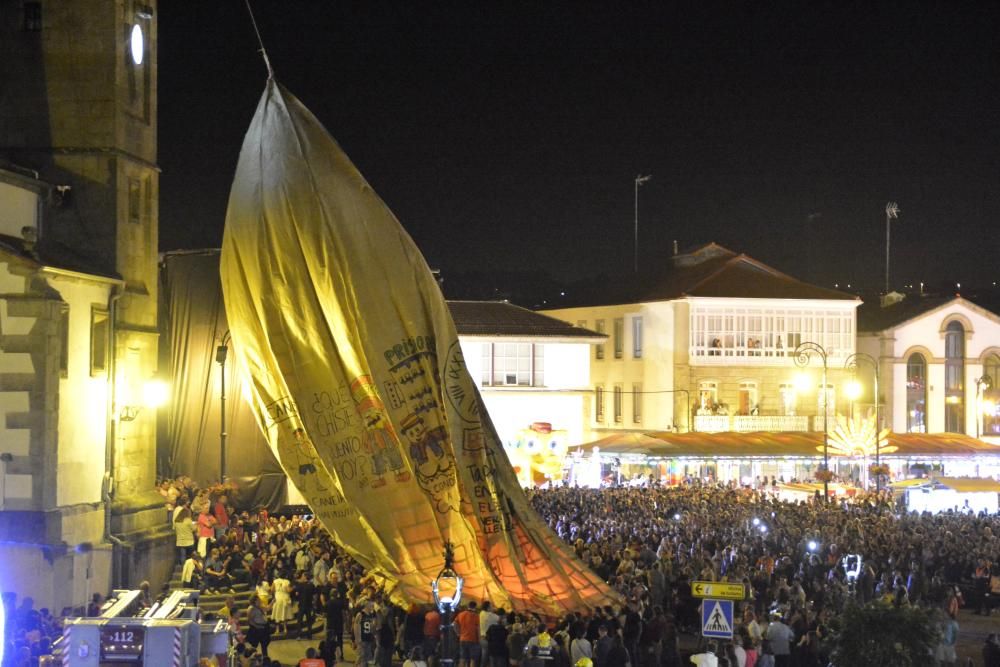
(891, 213)
(639, 180)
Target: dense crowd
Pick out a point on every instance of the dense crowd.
(800, 562)
(29, 633)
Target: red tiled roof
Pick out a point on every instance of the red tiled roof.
(500, 318)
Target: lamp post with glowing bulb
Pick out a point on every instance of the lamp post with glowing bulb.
(982, 384)
(851, 364)
(802, 354)
(447, 591)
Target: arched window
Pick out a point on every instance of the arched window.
(916, 394)
(954, 378)
(990, 399)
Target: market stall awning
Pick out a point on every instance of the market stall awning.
(776, 445)
(626, 443)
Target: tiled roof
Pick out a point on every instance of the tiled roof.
(872, 317)
(499, 318)
(711, 271)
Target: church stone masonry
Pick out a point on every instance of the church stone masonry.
(78, 123)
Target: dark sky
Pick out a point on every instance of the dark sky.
(508, 135)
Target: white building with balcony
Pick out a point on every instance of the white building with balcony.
(708, 344)
(531, 369)
(939, 361)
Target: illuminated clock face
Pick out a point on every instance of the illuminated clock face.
(136, 45)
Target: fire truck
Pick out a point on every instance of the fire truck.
(167, 633)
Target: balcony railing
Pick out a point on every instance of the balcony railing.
(754, 423)
(746, 356)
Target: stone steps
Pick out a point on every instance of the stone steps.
(211, 603)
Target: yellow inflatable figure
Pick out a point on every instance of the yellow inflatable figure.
(539, 454)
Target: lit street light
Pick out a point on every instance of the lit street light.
(851, 364)
(982, 384)
(802, 354)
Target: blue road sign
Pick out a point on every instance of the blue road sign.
(717, 619)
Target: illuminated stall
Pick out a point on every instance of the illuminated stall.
(960, 494)
(747, 457)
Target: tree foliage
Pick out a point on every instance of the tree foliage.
(880, 635)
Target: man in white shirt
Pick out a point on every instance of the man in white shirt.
(486, 619)
(192, 570)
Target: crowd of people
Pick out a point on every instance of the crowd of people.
(800, 563)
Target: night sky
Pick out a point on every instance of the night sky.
(507, 136)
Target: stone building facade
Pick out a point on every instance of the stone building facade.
(78, 116)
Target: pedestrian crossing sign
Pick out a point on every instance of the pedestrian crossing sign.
(717, 619)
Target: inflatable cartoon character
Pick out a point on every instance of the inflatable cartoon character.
(538, 454)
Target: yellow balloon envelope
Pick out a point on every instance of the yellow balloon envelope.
(359, 384)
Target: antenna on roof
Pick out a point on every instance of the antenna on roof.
(639, 180)
(891, 213)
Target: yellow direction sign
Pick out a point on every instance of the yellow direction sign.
(717, 590)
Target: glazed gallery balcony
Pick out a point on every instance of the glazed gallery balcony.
(756, 423)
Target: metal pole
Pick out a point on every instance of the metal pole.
(878, 438)
(801, 358)
(891, 211)
(635, 254)
(887, 218)
(639, 180)
(851, 363)
(826, 432)
(220, 355)
(222, 422)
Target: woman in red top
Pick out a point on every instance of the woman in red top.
(206, 530)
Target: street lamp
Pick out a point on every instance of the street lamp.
(851, 364)
(221, 353)
(153, 394)
(639, 180)
(982, 384)
(802, 354)
(447, 591)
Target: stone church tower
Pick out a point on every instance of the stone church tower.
(78, 108)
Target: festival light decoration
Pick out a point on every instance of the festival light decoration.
(856, 438)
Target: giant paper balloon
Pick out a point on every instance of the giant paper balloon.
(358, 381)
